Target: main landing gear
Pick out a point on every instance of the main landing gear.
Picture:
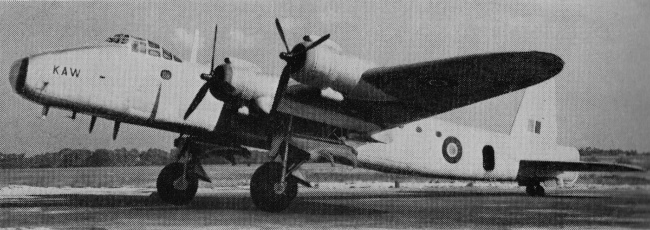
(535, 189)
(175, 186)
(177, 182)
(269, 191)
(274, 184)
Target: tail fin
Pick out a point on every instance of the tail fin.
(536, 114)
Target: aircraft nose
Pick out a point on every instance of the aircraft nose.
(18, 74)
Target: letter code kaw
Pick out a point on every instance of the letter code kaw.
(66, 71)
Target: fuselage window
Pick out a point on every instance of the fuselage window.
(165, 74)
(177, 59)
(154, 53)
(488, 158)
(167, 55)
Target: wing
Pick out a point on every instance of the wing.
(426, 89)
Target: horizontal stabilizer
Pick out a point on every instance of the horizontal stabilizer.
(562, 166)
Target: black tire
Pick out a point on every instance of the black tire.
(539, 191)
(263, 191)
(530, 190)
(535, 190)
(165, 185)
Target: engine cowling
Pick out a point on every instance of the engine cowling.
(325, 67)
(247, 81)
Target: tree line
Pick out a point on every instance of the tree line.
(68, 158)
(590, 151)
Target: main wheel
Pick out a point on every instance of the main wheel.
(530, 190)
(172, 194)
(535, 190)
(539, 190)
(267, 192)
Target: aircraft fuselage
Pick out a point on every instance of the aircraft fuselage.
(111, 81)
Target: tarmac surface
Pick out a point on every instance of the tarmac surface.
(465, 207)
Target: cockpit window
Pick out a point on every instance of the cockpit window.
(119, 38)
(140, 45)
(167, 55)
(154, 53)
(124, 39)
(153, 45)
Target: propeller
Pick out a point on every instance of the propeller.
(294, 58)
(216, 82)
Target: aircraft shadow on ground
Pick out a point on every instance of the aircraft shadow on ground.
(313, 204)
(431, 194)
(300, 206)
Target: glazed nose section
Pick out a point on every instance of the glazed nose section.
(18, 74)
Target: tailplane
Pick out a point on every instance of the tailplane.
(536, 116)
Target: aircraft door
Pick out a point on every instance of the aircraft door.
(488, 158)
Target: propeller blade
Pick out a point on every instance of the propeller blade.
(214, 45)
(281, 32)
(311, 46)
(199, 97)
(317, 42)
(282, 86)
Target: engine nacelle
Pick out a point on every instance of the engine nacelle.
(245, 77)
(247, 82)
(325, 67)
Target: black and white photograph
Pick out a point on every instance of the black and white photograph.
(288, 114)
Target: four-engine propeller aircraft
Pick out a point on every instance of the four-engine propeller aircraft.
(325, 104)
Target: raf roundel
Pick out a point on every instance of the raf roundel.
(452, 150)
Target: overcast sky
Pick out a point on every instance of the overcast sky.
(602, 93)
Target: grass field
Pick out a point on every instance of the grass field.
(239, 175)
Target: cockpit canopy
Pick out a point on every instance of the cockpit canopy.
(139, 45)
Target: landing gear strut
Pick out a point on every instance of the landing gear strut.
(535, 189)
